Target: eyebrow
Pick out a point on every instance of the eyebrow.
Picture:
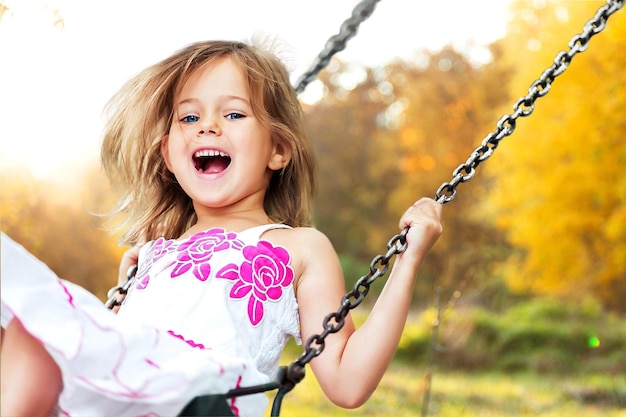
(225, 97)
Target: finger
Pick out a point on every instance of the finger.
(426, 202)
(128, 260)
(423, 209)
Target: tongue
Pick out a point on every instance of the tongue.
(215, 165)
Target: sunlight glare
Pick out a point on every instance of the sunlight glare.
(313, 93)
(64, 59)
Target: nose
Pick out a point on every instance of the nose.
(209, 128)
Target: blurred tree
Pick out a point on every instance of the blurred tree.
(56, 224)
(356, 167)
(559, 182)
(392, 137)
(448, 106)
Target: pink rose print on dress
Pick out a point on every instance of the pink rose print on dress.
(261, 277)
(159, 248)
(198, 250)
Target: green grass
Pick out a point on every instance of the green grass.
(461, 394)
(539, 358)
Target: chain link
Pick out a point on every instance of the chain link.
(337, 43)
(117, 294)
(525, 105)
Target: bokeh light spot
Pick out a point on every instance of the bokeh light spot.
(593, 342)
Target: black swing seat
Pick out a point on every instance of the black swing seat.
(217, 404)
(208, 405)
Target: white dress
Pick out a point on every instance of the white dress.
(205, 315)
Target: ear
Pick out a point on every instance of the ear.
(165, 152)
(280, 158)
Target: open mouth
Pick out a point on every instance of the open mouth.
(209, 161)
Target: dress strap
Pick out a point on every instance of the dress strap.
(257, 231)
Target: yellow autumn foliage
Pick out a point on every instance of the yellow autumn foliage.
(559, 181)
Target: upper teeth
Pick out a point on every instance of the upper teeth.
(209, 152)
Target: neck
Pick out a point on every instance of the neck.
(235, 221)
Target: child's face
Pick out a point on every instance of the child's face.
(216, 147)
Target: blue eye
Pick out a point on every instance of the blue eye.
(235, 116)
(190, 119)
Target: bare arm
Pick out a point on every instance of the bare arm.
(354, 361)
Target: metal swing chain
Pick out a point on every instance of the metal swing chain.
(337, 43)
(116, 295)
(463, 173)
(525, 105)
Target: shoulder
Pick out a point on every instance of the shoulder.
(299, 240)
(309, 248)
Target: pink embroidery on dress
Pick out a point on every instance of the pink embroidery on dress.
(62, 412)
(70, 297)
(189, 342)
(261, 277)
(151, 363)
(159, 248)
(198, 250)
(233, 400)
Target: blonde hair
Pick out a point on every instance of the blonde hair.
(152, 203)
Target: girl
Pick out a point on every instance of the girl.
(208, 147)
